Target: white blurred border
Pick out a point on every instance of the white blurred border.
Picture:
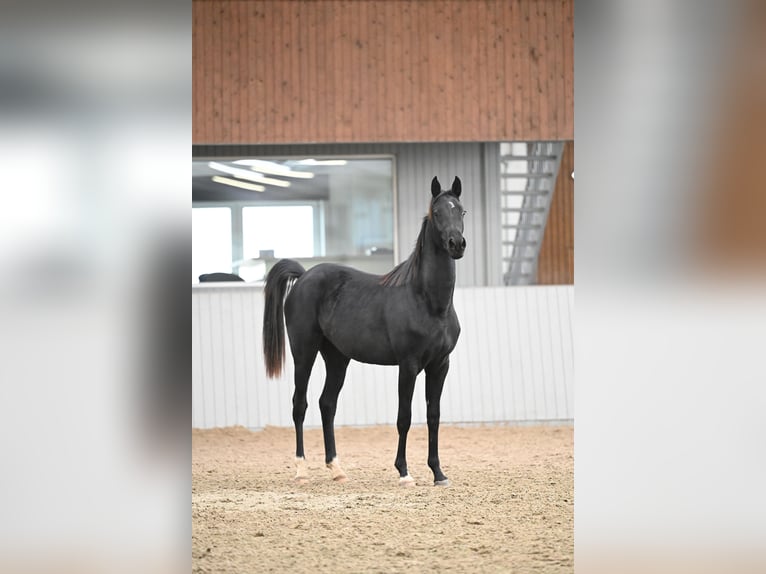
(95, 109)
(670, 371)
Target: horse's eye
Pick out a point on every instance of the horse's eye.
(464, 213)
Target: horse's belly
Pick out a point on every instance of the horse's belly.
(354, 321)
(365, 347)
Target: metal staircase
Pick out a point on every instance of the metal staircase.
(528, 172)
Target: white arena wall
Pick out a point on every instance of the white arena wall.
(512, 364)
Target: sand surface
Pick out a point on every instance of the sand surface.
(509, 508)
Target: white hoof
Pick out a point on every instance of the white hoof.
(301, 471)
(407, 481)
(336, 471)
(444, 482)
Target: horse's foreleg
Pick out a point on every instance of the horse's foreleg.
(336, 364)
(407, 376)
(435, 375)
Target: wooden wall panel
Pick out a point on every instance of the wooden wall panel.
(303, 71)
(556, 263)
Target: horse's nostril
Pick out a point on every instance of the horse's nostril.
(462, 243)
(451, 243)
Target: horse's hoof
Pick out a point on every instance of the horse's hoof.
(407, 481)
(336, 472)
(444, 482)
(301, 471)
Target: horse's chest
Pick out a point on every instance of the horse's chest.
(436, 336)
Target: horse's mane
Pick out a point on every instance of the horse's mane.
(407, 270)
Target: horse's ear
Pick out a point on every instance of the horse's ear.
(457, 187)
(436, 187)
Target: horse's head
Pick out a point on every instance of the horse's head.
(447, 217)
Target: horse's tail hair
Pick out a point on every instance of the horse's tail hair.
(280, 277)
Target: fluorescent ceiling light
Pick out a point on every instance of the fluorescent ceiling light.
(312, 161)
(273, 168)
(237, 183)
(246, 174)
(264, 166)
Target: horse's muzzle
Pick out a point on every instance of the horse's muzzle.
(456, 247)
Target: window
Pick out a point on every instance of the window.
(211, 240)
(283, 230)
(312, 210)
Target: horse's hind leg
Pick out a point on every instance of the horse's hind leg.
(336, 364)
(304, 349)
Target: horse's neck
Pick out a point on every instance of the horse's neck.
(437, 276)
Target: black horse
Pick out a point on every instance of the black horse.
(404, 318)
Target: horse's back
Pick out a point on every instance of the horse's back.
(328, 280)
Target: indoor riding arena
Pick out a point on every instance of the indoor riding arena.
(318, 130)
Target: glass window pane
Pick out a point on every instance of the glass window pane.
(287, 230)
(211, 241)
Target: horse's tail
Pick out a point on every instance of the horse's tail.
(280, 276)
